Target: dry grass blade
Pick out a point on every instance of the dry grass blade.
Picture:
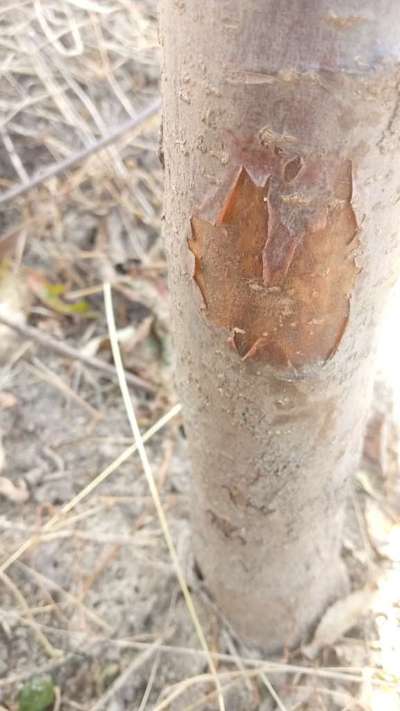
(92, 6)
(72, 599)
(48, 648)
(153, 488)
(122, 679)
(87, 490)
(14, 157)
(71, 161)
(43, 373)
(279, 703)
(77, 47)
(150, 683)
(344, 674)
(66, 350)
(182, 686)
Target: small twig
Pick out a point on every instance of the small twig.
(71, 161)
(158, 656)
(52, 344)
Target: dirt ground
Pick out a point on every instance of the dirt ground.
(92, 599)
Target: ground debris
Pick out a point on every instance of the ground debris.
(339, 619)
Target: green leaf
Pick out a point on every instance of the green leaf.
(55, 289)
(37, 694)
(50, 295)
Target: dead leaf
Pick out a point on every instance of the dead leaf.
(17, 493)
(340, 618)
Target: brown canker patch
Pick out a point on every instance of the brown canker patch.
(277, 267)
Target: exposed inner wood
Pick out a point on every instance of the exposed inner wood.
(277, 267)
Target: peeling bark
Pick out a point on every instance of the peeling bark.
(281, 138)
(278, 266)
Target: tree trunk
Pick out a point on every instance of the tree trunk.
(281, 141)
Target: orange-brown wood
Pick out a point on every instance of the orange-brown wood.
(277, 267)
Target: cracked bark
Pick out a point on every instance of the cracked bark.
(281, 140)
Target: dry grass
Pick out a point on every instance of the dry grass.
(70, 73)
(131, 415)
(78, 564)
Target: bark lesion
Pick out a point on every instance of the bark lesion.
(277, 266)
(224, 526)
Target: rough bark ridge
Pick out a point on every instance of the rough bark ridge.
(281, 137)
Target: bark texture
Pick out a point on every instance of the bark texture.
(281, 143)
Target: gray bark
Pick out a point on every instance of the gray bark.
(298, 102)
